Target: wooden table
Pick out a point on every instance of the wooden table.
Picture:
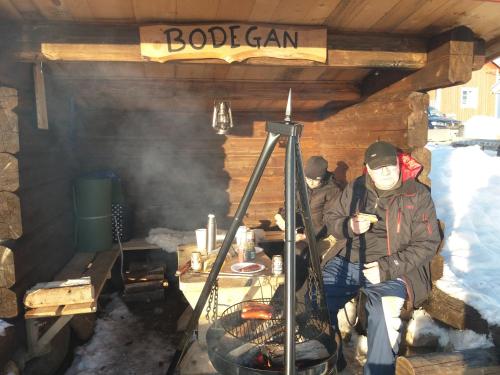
(233, 287)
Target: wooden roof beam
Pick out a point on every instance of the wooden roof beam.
(232, 89)
(450, 62)
(86, 42)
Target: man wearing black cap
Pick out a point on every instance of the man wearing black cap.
(388, 222)
(321, 188)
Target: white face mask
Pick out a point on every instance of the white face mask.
(313, 184)
(385, 178)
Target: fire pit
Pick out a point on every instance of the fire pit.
(256, 346)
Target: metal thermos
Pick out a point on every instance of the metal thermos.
(211, 233)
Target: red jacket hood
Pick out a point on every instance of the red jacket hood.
(410, 168)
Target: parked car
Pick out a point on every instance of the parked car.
(438, 120)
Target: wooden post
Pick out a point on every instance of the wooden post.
(41, 100)
(7, 271)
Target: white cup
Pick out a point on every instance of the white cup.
(201, 239)
(241, 236)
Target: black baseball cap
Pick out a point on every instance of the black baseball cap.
(316, 167)
(381, 154)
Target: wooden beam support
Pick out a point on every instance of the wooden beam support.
(41, 100)
(7, 269)
(231, 89)
(450, 62)
(493, 49)
(83, 42)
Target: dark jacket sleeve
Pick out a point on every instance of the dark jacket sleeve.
(423, 244)
(336, 214)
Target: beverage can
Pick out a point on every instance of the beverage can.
(196, 263)
(250, 253)
(277, 265)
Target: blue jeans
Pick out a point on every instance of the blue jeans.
(342, 281)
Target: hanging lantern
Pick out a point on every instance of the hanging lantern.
(222, 119)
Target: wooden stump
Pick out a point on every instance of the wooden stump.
(83, 326)
(9, 173)
(476, 361)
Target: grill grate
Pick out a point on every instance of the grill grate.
(311, 323)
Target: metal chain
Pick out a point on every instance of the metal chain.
(215, 307)
(213, 303)
(313, 283)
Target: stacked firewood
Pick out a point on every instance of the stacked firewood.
(144, 282)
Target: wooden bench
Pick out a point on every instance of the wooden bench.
(97, 266)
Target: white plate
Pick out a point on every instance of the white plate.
(238, 266)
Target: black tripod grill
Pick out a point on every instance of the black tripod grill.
(310, 323)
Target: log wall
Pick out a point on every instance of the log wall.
(176, 170)
(45, 169)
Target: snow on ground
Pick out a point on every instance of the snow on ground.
(422, 324)
(3, 326)
(169, 239)
(482, 127)
(466, 191)
(121, 345)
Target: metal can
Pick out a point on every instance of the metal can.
(250, 253)
(196, 263)
(277, 265)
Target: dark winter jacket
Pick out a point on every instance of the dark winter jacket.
(405, 238)
(329, 190)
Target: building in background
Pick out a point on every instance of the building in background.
(478, 97)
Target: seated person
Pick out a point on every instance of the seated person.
(322, 187)
(387, 254)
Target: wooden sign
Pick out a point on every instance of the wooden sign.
(232, 42)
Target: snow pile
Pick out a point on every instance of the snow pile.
(465, 189)
(482, 127)
(3, 326)
(121, 345)
(422, 325)
(169, 239)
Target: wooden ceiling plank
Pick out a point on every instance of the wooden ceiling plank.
(397, 14)
(196, 10)
(263, 10)
(319, 13)
(154, 10)
(230, 10)
(54, 10)
(112, 10)
(80, 10)
(27, 9)
(9, 11)
(292, 11)
(344, 13)
(369, 14)
(425, 16)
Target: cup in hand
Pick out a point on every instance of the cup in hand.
(201, 239)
